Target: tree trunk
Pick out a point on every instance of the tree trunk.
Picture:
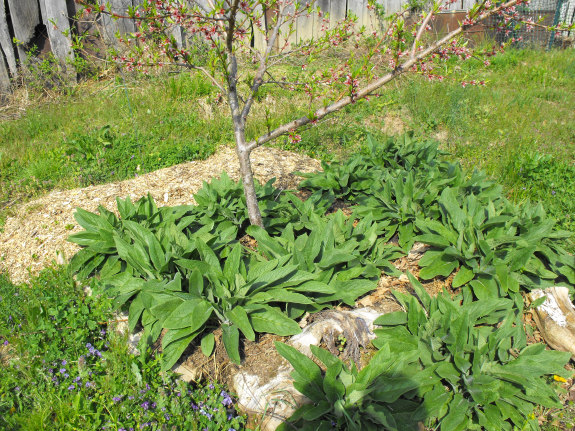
(248, 179)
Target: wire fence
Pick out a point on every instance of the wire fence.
(544, 12)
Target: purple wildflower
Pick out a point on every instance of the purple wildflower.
(227, 401)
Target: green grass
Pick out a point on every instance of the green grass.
(105, 131)
(62, 368)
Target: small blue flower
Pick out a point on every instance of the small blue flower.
(71, 387)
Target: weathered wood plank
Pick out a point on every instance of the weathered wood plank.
(58, 27)
(289, 30)
(393, 6)
(259, 34)
(337, 12)
(4, 77)
(111, 26)
(323, 20)
(306, 26)
(25, 16)
(6, 42)
(356, 7)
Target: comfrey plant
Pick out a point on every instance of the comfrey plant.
(250, 41)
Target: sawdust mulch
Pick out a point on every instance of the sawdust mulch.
(35, 237)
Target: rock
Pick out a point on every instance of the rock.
(417, 251)
(120, 325)
(275, 399)
(555, 318)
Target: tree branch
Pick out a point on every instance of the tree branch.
(365, 91)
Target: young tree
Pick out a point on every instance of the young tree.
(249, 40)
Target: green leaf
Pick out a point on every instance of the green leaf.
(485, 288)
(306, 369)
(443, 265)
(173, 350)
(232, 264)
(207, 344)
(463, 276)
(231, 339)
(239, 317)
(456, 419)
(392, 319)
(538, 302)
(273, 321)
(208, 256)
(191, 314)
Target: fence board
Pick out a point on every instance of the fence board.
(4, 76)
(323, 20)
(112, 26)
(25, 16)
(258, 32)
(306, 27)
(356, 7)
(393, 6)
(291, 26)
(338, 12)
(57, 24)
(372, 20)
(6, 41)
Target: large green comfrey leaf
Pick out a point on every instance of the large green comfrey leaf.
(347, 398)
(479, 356)
(494, 247)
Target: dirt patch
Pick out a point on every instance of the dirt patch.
(339, 204)
(38, 230)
